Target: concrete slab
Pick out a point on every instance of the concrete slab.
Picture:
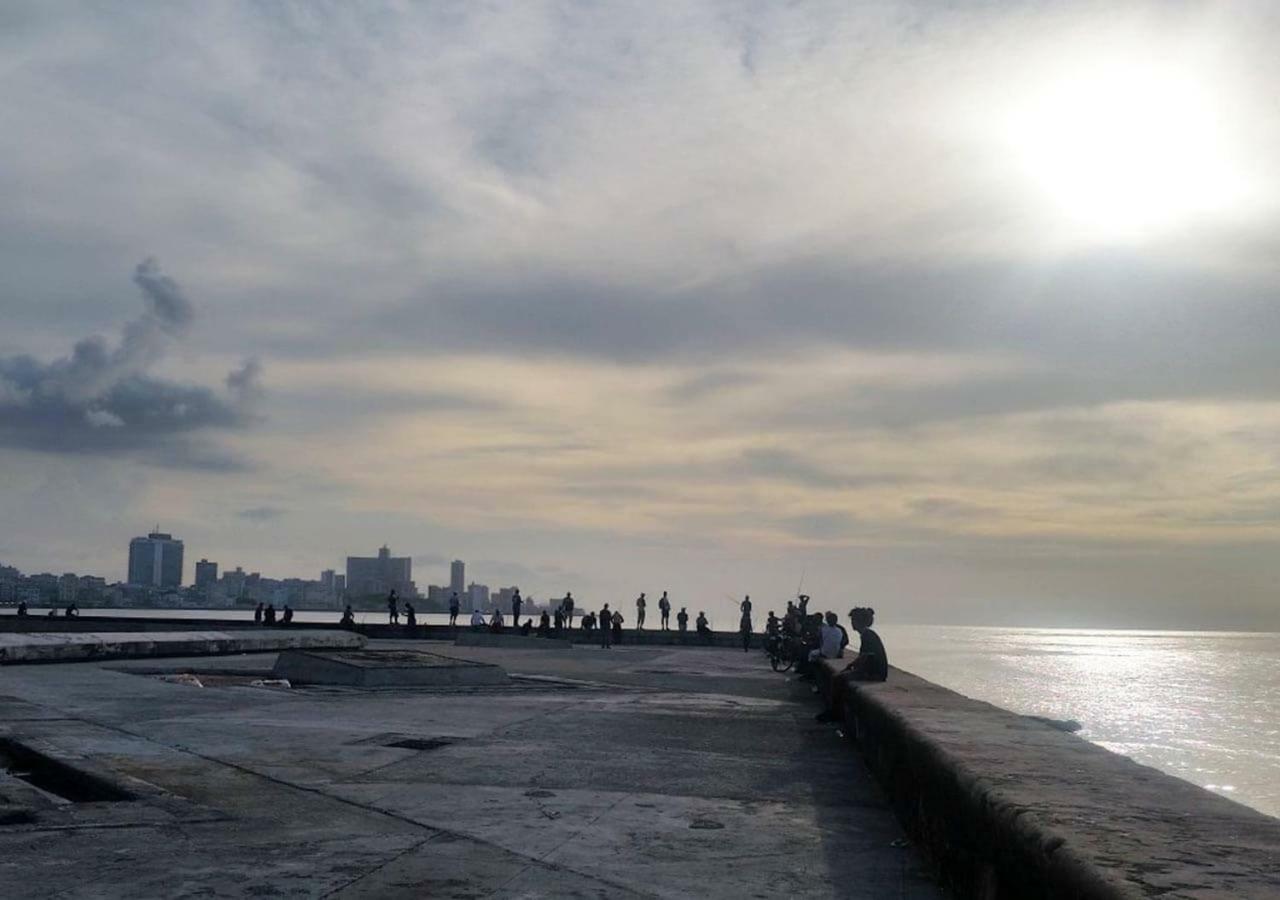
(383, 668)
(40, 647)
(642, 786)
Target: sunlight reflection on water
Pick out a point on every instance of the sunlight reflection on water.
(1204, 706)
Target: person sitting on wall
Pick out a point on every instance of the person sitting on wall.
(772, 626)
(348, 617)
(72, 610)
(257, 613)
(589, 622)
(704, 627)
(495, 623)
(527, 628)
(287, 615)
(558, 619)
(477, 620)
(871, 664)
(22, 608)
(410, 614)
(830, 637)
(269, 614)
(544, 624)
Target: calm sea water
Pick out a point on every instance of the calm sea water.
(1204, 706)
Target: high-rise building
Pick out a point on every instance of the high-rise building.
(155, 561)
(326, 581)
(458, 578)
(369, 575)
(68, 588)
(478, 594)
(206, 573)
(339, 585)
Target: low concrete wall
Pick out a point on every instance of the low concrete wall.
(88, 622)
(1010, 807)
(46, 648)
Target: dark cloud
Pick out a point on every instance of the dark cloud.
(101, 399)
(261, 513)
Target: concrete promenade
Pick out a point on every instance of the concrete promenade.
(41, 647)
(635, 772)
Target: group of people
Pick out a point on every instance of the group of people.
(817, 636)
(265, 614)
(70, 612)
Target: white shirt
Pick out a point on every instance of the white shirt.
(477, 617)
(829, 641)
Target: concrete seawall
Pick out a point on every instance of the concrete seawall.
(1010, 807)
(87, 621)
(36, 647)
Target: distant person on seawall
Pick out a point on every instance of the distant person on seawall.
(257, 613)
(410, 615)
(516, 603)
(287, 616)
(453, 610)
(269, 614)
(393, 608)
(640, 605)
(617, 626)
(704, 627)
(22, 608)
(477, 620)
(567, 603)
(348, 617)
(744, 626)
(495, 623)
(72, 611)
(664, 612)
(682, 622)
(606, 627)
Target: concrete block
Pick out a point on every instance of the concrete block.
(39, 647)
(383, 668)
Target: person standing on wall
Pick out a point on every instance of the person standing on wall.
(393, 608)
(606, 627)
(516, 603)
(640, 605)
(454, 607)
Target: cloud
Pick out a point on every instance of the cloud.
(102, 398)
(261, 513)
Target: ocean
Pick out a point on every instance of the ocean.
(1204, 706)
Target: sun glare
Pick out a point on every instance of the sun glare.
(1127, 151)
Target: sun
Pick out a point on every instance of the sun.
(1127, 150)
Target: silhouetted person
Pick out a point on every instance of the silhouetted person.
(682, 622)
(257, 614)
(393, 608)
(495, 623)
(744, 626)
(804, 605)
(589, 622)
(772, 626)
(527, 627)
(287, 615)
(544, 624)
(453, 610)
(558, 620)
(51, 613)
(871, 663)
(516, 603)
(606, 626)
(71, 611)
(745, 606)
(410, 614)
(567, 603)
(617, 626)
(664, 611)
(348, 617)
(269, 614)
(22, 608)
(704, 627)
(640, 605)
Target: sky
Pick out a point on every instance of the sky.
(966, 312)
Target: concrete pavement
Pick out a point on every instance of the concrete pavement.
(634, 772)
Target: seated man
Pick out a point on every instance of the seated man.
(871, 663)
(830, 640)
(477, 620)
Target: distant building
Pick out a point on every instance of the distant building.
(68, 588)
(326, 580)
(206, 573)
(458, 577)
(369, 575)
(155, 560)
(478, 594)
(339, 585)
